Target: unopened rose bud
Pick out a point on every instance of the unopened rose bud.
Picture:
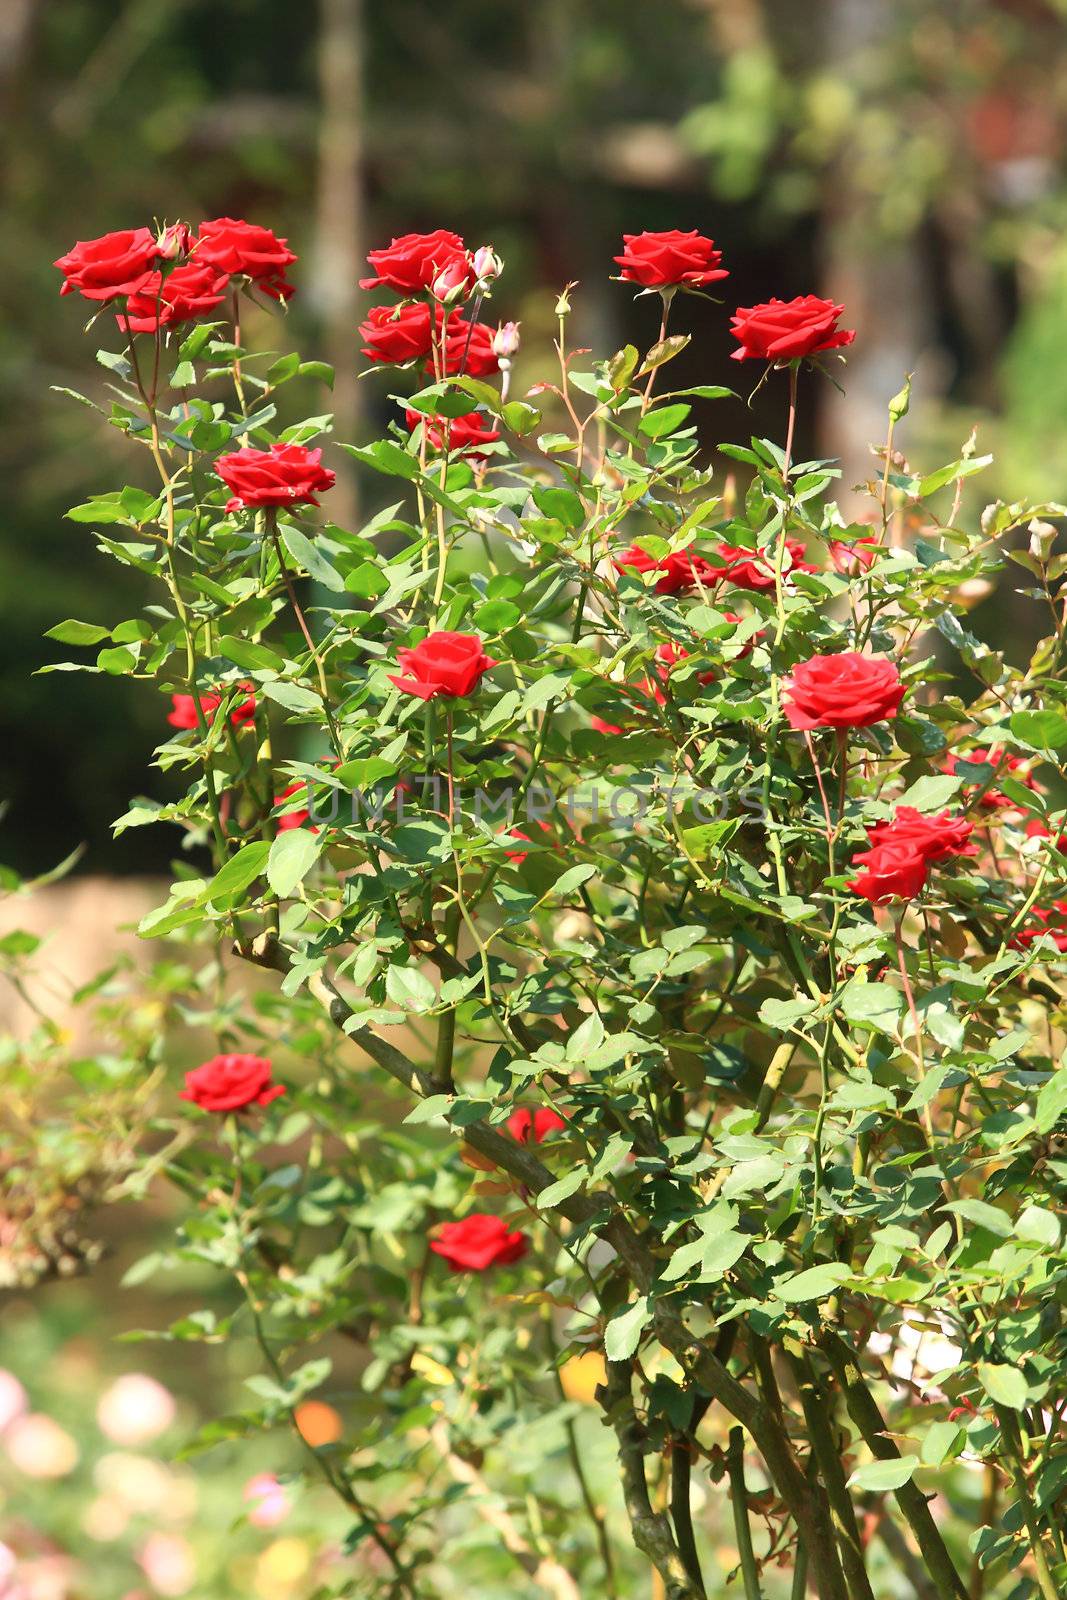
(1042, 538)
(506, 340)
(452, 283)
(563, 304)
(487, 264)
(175, 240)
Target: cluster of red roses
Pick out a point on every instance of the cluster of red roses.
(131, 265)
(227, 1084)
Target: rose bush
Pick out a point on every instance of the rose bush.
(740, 1084)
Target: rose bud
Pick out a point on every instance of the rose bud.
(1042, 538)
(174, 241)
(452, 283)
(506, 340)
(487, 264)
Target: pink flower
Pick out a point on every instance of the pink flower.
(135, 1409)
(268, 1501)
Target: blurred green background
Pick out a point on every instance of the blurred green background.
(904, 157)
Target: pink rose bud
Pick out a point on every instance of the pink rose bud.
(452, 282)
(487, 264)
(175, 240)
(506, 340)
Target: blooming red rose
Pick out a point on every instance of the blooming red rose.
(190, 291)
(669, 656)
(890, 872)
(412, 262)
(469, 348)
(1036, 829)
(448, 664)
(519, 856)
(670, 260)
(284, 475)
(680, 571)
(848, 690)
(534, 1127)
(783, 330)
(396, 334)
(477, 1243)
(464, 433)
(612, 729)
(1020, 768)
(231, 1083)
(183, 708)
(850, 559)
(1051, 920)
(292, 819)
(102, 269)
(933, 837)
(750, 569)
(245, 250)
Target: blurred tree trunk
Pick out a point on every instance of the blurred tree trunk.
(881, 282)
(339, 221)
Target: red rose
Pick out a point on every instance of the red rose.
(852, 559)
(933, 837)
(412, 262)
(245, 250)
(783, 330)
(670, 260)
(183, 708)
(681, 571)
(230, 1083)
(849, 690)
(464, 433)
(1051, 920)
(541, 1123)
(612, 729)
(477, 1243)
(183, 295)
(469, 348)
(102, 269)
(284, 475)
(991, 799)
(890, 872)
(519, 856)
(1036, 829)
(749, 569)
(448, 664)
(292, 819)
(396, 334)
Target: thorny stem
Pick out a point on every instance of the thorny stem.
(909, 995)
(594, 1512)
(287, 578)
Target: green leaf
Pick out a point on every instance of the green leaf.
(1005, 1386)
(496, 616)
(1051, 1101)
(307, 556)
(664, 420)
(939, 1441)
(241, 870)
(930, 794)
(880, 1475)
(293, 696)
(1041, 730)
(563, 504)
(246, 653)
(410, 988)
(292, 856)
(983, 1216)
(74, 632)
(623, 1333)
(875, 1005)
(815, 1283)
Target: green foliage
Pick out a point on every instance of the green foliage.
(801, 1135)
